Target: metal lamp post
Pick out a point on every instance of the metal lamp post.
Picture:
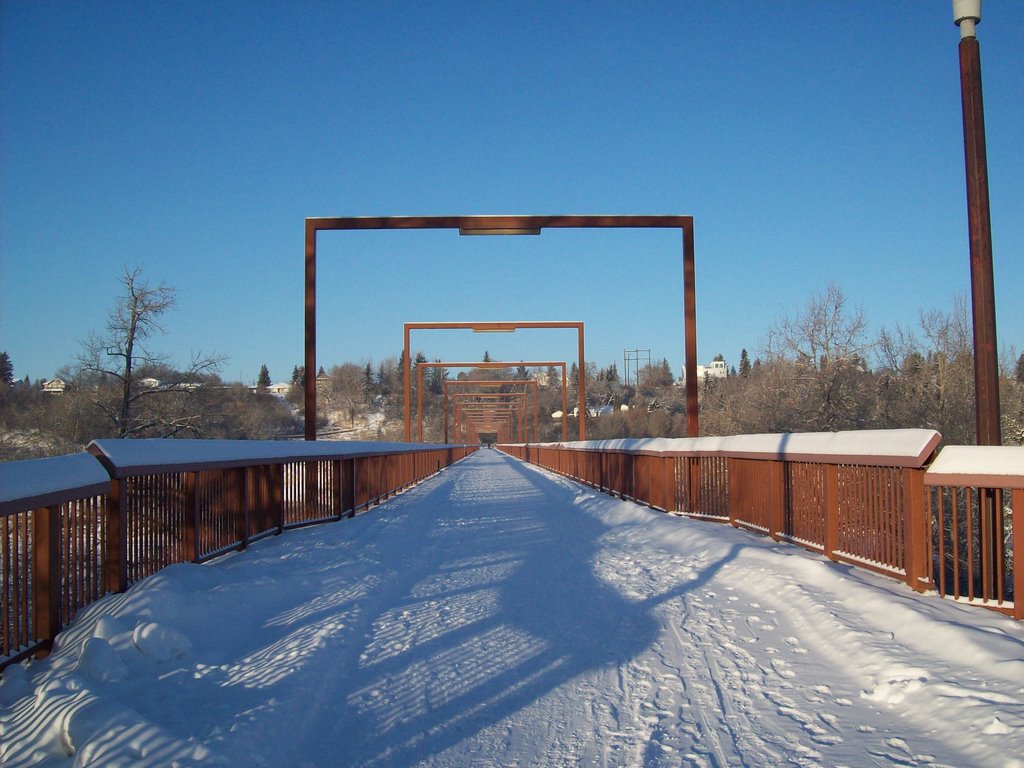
(967, 15)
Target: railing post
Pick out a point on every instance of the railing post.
(917, 529)
(1018, 553)
(311, 490)
(831, 494)
(277, 495)
(46, 563)
(348, 487)
(693, 476)
(190, 532)
(115, 566)
(777, 500)
(735, 491)
(662, 471)
(337, 505)
(240, 502)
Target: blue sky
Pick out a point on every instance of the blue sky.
(814, 142)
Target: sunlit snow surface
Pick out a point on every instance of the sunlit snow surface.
(499, 616)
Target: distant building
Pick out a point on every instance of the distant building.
(282, 388)
(716, 369)
(544, 380)
(54, 387)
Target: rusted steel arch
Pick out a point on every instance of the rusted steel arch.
(531, 385)
(495, 365)
(478, 417)
(501, 225)
(527, 383)
(464, 400)
(492, 327)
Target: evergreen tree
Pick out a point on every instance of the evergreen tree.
(666, 371)
(7, 370)
(612, 374)
(369, 387)
(487, 356)
(554, 376)
(298, 374)
(436, 378)
(744, 363)
(522, 374)
(263, 381)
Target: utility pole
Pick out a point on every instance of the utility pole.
(967, 15)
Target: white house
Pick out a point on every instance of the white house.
(716, 369)
(544, 380)
(54, 387)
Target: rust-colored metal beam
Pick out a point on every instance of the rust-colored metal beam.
(491, 225)
(690, 327)
(986, 359)
(511, 224)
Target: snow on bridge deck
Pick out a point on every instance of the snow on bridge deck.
(499, 615)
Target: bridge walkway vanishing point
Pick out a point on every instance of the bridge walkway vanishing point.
(498, 614)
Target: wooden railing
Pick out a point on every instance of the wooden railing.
(976, 546)
(855, 497)
(74, 528)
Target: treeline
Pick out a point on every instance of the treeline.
(817, 370)
(34, 423)
(820, 370)
(119, 387)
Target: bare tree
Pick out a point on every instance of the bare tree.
(828, 344)
(138, 391)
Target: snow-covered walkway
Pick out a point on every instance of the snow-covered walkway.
(497, 615)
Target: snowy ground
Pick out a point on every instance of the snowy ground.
(497, 616)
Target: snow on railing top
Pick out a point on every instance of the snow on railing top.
(124, 458)
(890, 447)
(978, 466)
(38, 483)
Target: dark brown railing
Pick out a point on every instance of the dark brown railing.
(855, 497)
(973, 493)
(74, 528)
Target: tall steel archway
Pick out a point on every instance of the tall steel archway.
(502, 225)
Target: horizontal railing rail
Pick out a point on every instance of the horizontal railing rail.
(855, 497)
(74, 528)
